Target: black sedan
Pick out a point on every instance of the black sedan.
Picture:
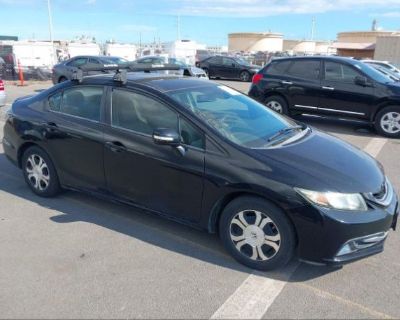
(208, 156)
(65, 70)
(228, 68)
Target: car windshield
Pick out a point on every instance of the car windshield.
(372, 72)
(236, 117)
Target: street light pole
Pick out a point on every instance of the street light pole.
(51, 30)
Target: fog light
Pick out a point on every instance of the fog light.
(345, 250)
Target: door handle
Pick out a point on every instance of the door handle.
(287, 82)
(328, 88)
(115, 146)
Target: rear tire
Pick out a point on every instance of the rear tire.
(277, 103)
(257, 233)
(387, 122)
(40, 173)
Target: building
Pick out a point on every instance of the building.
(388, 49)
(255, 41)
(358, 44)
(308, 47)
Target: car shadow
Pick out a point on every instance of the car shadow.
(74, 207)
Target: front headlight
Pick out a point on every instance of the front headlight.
(334, 200)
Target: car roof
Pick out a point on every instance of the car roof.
(157, 81)
(331, 58)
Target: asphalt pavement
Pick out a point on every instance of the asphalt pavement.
(76, 256)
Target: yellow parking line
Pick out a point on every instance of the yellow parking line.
(325, 294)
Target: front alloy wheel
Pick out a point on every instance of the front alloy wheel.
(255, 235)
(38, 172)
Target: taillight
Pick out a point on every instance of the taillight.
(257, 78)
(1, 85)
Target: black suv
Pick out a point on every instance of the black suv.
(342, 87)
(228, 67)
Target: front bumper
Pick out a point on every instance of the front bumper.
(328, 236)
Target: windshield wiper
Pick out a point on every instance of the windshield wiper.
(283, 132)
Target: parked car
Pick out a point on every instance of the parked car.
(206, 155)
(188, 70)
(64, 71)
(330, 86)
(3, 96)
(384, 64)
(229, 68)
(391, 74)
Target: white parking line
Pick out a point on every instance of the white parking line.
(375, 146)
(254, 296)
(257, 293)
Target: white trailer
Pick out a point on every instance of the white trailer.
(83, 49)
(182, 49)
(126, 51)
(33, 54)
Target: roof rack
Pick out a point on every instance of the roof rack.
(121, 70)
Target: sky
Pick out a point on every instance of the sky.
(205, 21)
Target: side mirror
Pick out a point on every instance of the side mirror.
(362, 81)
(166, 136)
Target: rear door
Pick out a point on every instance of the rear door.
(74, 133)
(302, 84)
(151, 175)
(229, 68)
(341, 95)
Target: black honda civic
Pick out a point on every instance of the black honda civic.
(208, 156)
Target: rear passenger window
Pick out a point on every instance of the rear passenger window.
(278, 68)
(305, 69)
(140, 113)
(55, 101)
(83, 102)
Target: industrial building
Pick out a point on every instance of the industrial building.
(255, 41)
(388, 49)
(308, 47)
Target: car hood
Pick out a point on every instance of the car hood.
(322, 162)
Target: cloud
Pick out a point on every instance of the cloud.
(260, 8)
(393, 14)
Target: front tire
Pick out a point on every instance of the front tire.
(257, 233)
(40, 173)
(245, 76)
(387, 122)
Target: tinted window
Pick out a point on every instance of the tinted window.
(228, 62)
(55, 101)
(83, 102)
(95, 61)
(278, 68)
(304, 69)
(140, 113)
(215, 60)
(190, 135)
(77, 62)
(340, 72)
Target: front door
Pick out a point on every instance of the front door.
(74, 135)
(229, 69)
(342, 96)
(154, 176)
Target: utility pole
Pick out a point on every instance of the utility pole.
(51, 31)
(313, 29)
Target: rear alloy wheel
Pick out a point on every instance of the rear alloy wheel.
(244, 76)
(257, 233)
(387, 122)
(39, 172)
(277, 104)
